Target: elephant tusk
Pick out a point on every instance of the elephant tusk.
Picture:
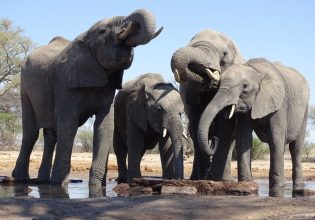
(177, 77)
(213, 75)
(164, 132)
(185, 135)
(232, 111)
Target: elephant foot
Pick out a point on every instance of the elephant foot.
(121, 180)
(20, 174)
(276, 192)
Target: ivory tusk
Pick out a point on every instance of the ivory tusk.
(185, 135)
(164, 132)
(213, 75)
(177, 77)
(232, 111)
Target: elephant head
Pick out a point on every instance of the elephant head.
(256, 86)
(159, 107)
(208, 54)
(103, 52)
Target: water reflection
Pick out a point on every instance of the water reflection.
(287, 191)
(78, 190)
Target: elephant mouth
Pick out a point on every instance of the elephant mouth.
(205, 75)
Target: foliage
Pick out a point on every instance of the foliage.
(14, 47)
(85, 138)
(308, 148)
(259, 149)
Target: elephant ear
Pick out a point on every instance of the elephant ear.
(272, 92)
(137, 107)
(77, 67)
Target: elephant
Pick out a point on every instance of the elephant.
(197, 67)
(149, 112)
(270, 99)
(65, 82)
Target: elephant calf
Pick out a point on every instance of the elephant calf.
(148, 112)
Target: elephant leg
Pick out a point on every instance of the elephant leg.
(296, 151)
(121, 150)
(102, 141)
(244, 142)
(50, 140)
(167, 158)
(224, 130)
(276, 137)
(30, 136)
(67, 126)
(135, 150)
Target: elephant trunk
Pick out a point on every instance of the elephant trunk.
(141, 28)
(193, 64)
(219, 102)
(176, 131)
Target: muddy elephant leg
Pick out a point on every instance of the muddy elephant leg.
(121, 149)
(167, 158)
(244, 142)
(135, 150)
(67, 126)
(224, 131)
(50, 140)
(102, 141)
(296, 151)
(30, 136)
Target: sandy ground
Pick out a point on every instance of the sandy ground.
(154, 207)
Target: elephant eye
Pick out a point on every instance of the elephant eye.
(159, 108)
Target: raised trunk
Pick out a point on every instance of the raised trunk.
(219, 102)
(191, 62)
(144, 23)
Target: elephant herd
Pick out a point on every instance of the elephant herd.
(221, 100)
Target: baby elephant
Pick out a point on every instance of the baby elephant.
(149, 111)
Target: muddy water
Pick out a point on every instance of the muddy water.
(81, 189)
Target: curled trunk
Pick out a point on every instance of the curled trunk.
(219, 102)
(143, 25)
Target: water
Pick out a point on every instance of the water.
(264, 187)
(82, 189)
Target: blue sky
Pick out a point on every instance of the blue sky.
(277, 30)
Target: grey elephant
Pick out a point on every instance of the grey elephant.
(64, 83)
(149, 112)
(197, 67)
(270, 99)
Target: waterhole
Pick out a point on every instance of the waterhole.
(81, 189)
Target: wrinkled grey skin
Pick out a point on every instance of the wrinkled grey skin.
(143, 108)
(272, 100)
(64, 83)
(212, 50)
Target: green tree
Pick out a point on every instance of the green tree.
(14, 46)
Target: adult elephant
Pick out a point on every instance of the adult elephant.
(148, 111)
(64, 83)
(270, 99)
(197, 67)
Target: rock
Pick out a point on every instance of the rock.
(185, 190)
(203, 187)
(124, 189)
